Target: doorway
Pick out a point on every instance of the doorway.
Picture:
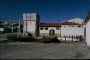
(52, 32)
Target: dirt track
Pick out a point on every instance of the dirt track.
(28, 50)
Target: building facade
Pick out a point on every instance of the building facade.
(50, 29)
(31, 24)
(61, 29)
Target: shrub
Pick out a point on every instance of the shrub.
(12, 38)
(26, 39)
(50, 40)
(80, 37)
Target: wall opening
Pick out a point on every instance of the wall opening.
(52, 32)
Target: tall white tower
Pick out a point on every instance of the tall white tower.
(31, 24)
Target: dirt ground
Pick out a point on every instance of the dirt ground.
(30, 50)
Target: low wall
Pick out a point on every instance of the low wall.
(47, 34)
(70, 38)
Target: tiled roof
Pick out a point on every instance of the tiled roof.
(69, 23)
(57, 24)
(50, 25)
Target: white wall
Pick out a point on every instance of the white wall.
(49, 28)
(69, 31)
(29, 16)
(29, 22)
(88, 33)
(31, 26)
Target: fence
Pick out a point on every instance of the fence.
(70, 38)
(5, 36)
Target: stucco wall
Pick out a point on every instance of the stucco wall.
(46, 32)
(49, 28)
(29, 16)
(88, 33)
(69, 31)
(31, 26)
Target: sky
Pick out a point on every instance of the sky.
(49, 10)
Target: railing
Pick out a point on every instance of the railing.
(71, 38)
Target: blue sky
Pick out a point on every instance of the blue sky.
(49, 10)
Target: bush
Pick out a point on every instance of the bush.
(12, 38)
(7, 30)
(54, 40)
(50, 40)
(79, 37)
(26, 39)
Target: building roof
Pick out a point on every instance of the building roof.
(69, 23)
(50, 25)
(57, 24)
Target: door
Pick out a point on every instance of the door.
(52, 32)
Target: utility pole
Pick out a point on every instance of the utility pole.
(19, 27)
(12, 27)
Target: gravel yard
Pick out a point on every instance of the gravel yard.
(30, 50)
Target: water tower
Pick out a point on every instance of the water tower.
(31, 24)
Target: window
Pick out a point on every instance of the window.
(41, 28)
(71, 25)
(46, 28)
(79, 26)
(57, 28)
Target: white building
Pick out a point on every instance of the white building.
(50, 29)
(61, 29)
(87, 22)
(72, 29)
(31, 24)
